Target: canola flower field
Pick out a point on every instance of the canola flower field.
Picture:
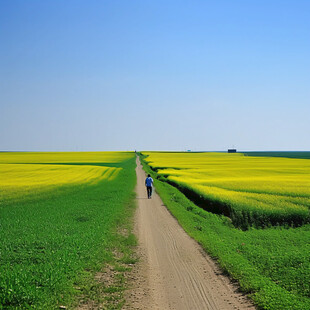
(270, 263)
(63, 157)
(25, 180)
(59, 220)
(257, 191)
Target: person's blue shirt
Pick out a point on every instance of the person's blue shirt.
(149, 182)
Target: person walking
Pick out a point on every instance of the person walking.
(149, 186)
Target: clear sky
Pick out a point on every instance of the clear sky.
(154, 75)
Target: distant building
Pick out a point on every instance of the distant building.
(232, 151)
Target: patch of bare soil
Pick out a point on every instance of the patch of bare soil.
(106, 283)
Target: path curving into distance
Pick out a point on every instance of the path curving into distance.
(174, 272)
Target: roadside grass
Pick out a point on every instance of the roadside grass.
(271, 265)
(55, 245)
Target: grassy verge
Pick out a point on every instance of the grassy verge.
(271, 265)
(68, 246)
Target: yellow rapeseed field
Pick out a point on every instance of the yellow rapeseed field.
(24, 173)
(247, 184)
(63, 157)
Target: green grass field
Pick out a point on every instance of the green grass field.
(272, 265)
(58, 235)
(301, 155)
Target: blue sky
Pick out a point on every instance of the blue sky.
(154, 75)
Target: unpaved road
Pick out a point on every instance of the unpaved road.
(174, 272)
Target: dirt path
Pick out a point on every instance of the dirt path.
(174, 272)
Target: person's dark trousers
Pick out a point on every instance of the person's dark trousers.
(149, 191)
